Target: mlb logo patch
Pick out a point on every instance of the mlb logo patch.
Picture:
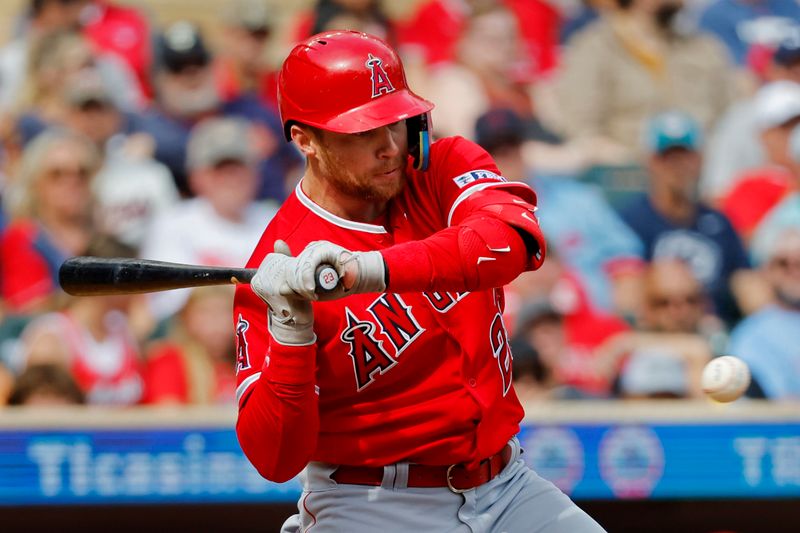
(476, 175)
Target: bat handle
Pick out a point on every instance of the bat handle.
(326, 277)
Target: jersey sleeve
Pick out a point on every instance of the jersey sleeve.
(461, 168)
(490, 232)
(278, 419)
(471, 186)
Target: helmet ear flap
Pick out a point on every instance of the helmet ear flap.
(419, 140)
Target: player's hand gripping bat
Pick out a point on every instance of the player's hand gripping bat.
(94, 276)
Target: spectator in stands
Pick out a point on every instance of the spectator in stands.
(43, 18)
(131, 187)
(223, 222)
(360, 15)
(6, 383)
(193, 364)
(578, 15)
(597, 246)
(125, 32)
(735, 146)
(653, 374)
(540, 343)
(46, 385)
(672, 222)
(786, 213)
(758, 191)
(93, 339)
(741, 24)
(768, 340)
(50, 203)
(582, 329)
(240, 66)
(482, 77)
(186, 93)
(637, 65)
(675, 336)
(56, 59)
(434, 28)
(674, 301)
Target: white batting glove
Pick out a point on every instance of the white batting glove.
(291, 318)
(359, 272)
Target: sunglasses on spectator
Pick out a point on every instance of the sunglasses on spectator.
(662, 302)
(786, 263)
(58, 173)
(93, 105)
(187, 65)
(258, 33)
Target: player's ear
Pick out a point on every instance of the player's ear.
(304, 139)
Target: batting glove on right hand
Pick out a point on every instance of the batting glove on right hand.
(291, 318)
(359, 272)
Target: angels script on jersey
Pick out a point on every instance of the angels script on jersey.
(377, 340)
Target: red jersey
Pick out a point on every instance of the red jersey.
(169, 378)
(30, 262)
(107, 370)
(422, 377)
(748, 202)
(436, 27)
(125, 32)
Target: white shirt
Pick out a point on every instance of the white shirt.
(130, 194)
(193, 232)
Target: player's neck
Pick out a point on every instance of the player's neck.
(341, 204)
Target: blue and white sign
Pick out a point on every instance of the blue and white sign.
(588, 461)
(131, 466)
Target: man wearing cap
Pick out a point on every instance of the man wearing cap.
(759, 190)
(785, 214)
(241, 66)
(187, 92)
(671, 220)
(125, 31)
(223, 222)
(734, 145)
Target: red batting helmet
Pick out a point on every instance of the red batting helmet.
(349, 82)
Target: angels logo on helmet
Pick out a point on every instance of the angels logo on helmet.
(380, 80)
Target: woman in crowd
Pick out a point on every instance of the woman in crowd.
(193, 365)
(50, 205)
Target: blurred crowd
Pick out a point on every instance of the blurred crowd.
(662, 138)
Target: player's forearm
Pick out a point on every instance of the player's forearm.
(279, 421)
(458, 258)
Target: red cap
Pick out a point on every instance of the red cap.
(347, 82)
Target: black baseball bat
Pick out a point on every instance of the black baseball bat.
(95, 276)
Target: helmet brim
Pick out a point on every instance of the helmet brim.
(386, 109)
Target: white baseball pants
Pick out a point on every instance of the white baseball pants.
(517, 500)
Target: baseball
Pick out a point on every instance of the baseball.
(725, 378)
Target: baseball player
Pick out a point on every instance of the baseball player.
(391, 393)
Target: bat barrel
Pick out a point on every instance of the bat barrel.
(88, 276)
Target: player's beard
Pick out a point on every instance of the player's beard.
(368, 185)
